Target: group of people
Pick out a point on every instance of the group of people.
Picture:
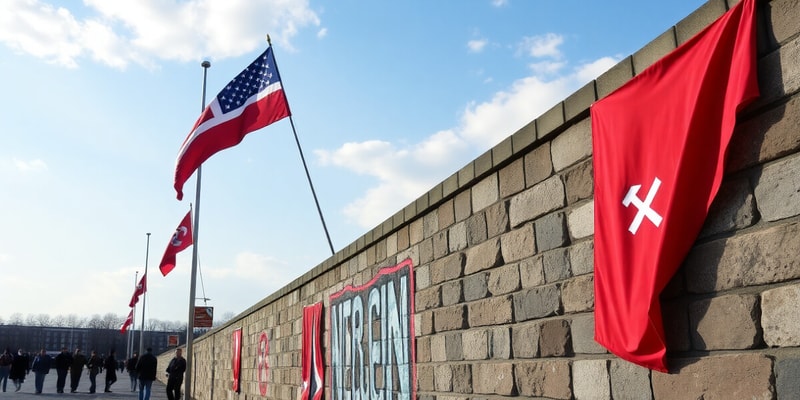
(142, 370)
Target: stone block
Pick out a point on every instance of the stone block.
(425, 322)
(457, 237)
(462, 378)
(555, 264)
(440, 246)
(539, 200)
(518, 243)
(548, 379)
(579, 102)
(753, 258)
(765, 137)
(572, 145)
(581, 257)
(582, 330)
(778, 189)
(524, 137)
(476, 287)
(740, 376)
(525, 340)
(577, 294)
(496, 219)
(483, 256)
(531, 273)
(475, 343)
(485, 193)
(450, 318)
(615, 77)
(494, 378)
(483, 163)
(462, 205)
(465, 175)
(451, 293)
(783, 16)
(725, 323)
(512, 178)
(675, 315)
(447, 268)
(555, 339)
(779, 73)
(699, 19)
(787, 378)
(653, 51)
(425, 378)
(580, 221)
(476, 229)
(500, 343)
(551, 231)
(550, 121)
(430, 223)
(447, 214)
(422, 277)
(579, 182)
(538, 165)
(538, 302)
(504, 280)
(438, 349)
(733, 208)
(491, 311)
(443, 378)
(425, 250)
(629, 381)
(453, 347)
(427, 298)
(502, 151)
(780, 316)
(423, 345)
(590, 379)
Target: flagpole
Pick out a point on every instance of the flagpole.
(187, 389)
(300, 149)
(144, 297)
(133, 328)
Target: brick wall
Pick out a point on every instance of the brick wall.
(503, 263)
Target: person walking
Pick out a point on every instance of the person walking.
(175, 370)
(76, 369)
(5, 367)
(130, 365)
(111, 370)
(146, 367)
(20, 367)
(62, 363)
(93, 365)
(41, 367)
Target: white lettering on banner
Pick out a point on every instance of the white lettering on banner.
(372, 338)
(643, 206)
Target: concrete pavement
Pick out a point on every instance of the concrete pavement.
(121, 390)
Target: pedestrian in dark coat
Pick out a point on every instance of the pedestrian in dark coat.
(76, 369)
(93, 365)
(130, 365)
(175, 370)
(41, 367)
(111, 371)
(19, 369)
(146, 368)
(62, 363)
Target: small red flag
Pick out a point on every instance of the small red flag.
(127, 323)
(251, 101)
(659, 145)
(141, 287)
(181, 239)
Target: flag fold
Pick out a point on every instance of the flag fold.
(659, 145)
(141, 288)
(127, 323)
(251, 101)
(181, 239)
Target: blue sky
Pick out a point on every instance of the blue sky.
(388, 99)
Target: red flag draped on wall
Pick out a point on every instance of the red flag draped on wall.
(181, 239)
(251, 101)
(312, 356)
(141, 287)
(659, 149)
(127, 323)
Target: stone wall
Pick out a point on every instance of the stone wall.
(502, 256)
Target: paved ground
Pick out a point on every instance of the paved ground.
(121, 390)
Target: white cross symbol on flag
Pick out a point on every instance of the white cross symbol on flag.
(643, 206)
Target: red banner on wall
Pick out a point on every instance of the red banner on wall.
(237, 358)
(312, 353)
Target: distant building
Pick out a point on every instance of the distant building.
(52, 339)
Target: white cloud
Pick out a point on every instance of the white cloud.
(404, 173)
(29, 166)
(322, 33)
(542, 45)
(117, 33)
(499, 3)
(477, 45)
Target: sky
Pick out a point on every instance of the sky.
(388, 99)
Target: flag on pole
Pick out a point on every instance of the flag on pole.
(251, 101)
(127, 323)
(181, 239)
(659, 145)
(141, 287)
